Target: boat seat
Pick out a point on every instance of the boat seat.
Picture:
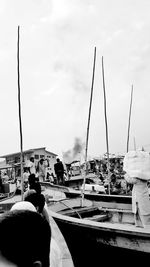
(98, 218)
(80, 210)
(116, 210)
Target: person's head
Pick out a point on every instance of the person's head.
(24, 239)
(32, 159)
(28, 193)
(113, 177)
(36, 186)
(22, 205)
(25, 169)
(38, 200)
(57, 159)
(31, 178)
(41, 161)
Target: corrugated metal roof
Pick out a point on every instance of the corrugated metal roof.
(27, 151)
(51, 153)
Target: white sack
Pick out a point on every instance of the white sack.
(137, 164)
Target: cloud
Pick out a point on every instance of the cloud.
(56, 59)
(65, 10)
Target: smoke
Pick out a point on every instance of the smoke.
(78, 146)
(74, 153)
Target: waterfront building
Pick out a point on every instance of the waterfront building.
(37, 153)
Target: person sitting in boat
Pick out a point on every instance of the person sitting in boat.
(34, 183)
(22, 205)
(52, 179)
(123, 185)
(37, 203)
(32, 247)
(38, 200)
(115, 186)
(101, 177)
(25, 177)
(104, 168)
(5, 178)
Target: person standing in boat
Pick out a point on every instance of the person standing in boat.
(25, 177)
(137, 168)
(59, 171)
(31, 166)
(41, 170)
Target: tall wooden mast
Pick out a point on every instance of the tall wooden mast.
(88, 125)
(20, 122)
(106, 124)
(128, 135)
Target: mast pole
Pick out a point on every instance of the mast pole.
(106, 124)
(88, 125)
(128, 136)
(134, 144)
(20, 122)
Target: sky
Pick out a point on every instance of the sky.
(57, 41)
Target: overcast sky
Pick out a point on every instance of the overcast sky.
(57, 40)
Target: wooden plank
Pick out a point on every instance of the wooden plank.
(98, 218)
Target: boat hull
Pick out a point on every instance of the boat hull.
(91, 243)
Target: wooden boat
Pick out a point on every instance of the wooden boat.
(8, 186)
(72, 186)
(96, 234)
(76, 182)
(70, 192)
(9, 190)
(102, 198)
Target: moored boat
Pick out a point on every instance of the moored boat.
(71, 186)
(9, 190)
(99, 198)
(96, 234)
(8, 183)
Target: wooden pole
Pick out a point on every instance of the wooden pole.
(106, 124)
(88, 125)
(20, 122)
(128, 135)
(134, 144)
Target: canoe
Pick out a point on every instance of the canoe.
(98, 198)
(91, 184)
(8, 182)
(9, 191)
(96, 234)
